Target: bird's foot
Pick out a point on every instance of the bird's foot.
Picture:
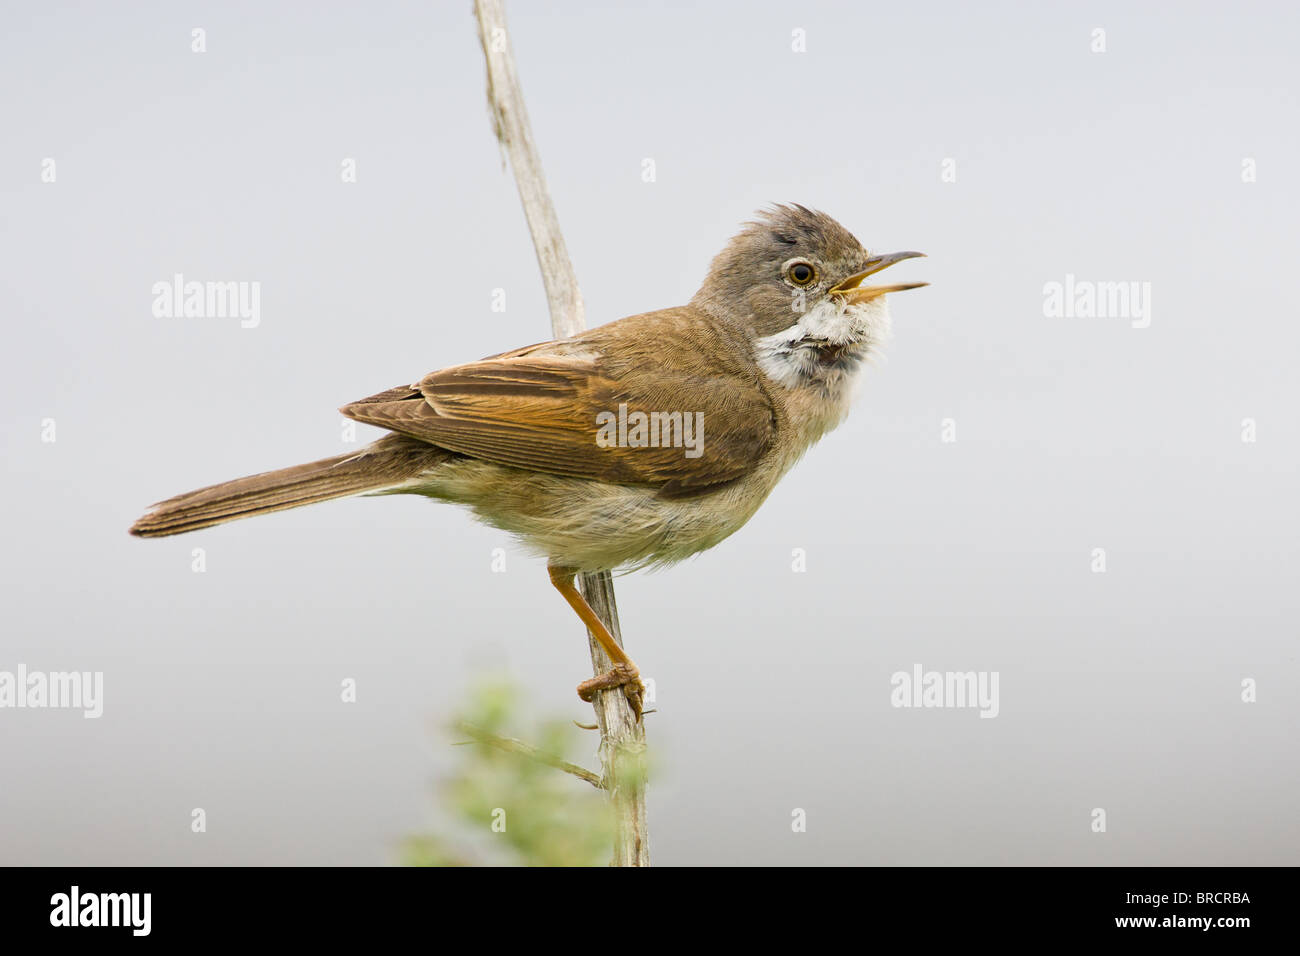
(620, 675)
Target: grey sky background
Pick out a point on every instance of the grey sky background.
(1118, 690)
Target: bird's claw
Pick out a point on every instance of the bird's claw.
(620, 675)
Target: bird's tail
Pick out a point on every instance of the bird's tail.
(389, 462)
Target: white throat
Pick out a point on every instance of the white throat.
(826, 347)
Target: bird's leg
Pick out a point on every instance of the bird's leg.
(624, 673)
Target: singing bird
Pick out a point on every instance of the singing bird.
(633, 444)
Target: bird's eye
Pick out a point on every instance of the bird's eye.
(800, 273)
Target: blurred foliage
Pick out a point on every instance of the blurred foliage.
(516, 809)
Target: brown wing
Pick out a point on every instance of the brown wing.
(557, 407)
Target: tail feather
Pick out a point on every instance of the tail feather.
(388, 462)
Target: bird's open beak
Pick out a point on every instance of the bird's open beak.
(853, 292)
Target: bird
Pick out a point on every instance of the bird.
(630, 445)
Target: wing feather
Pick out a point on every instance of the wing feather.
(537, 408)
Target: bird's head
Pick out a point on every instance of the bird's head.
(796, 269)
